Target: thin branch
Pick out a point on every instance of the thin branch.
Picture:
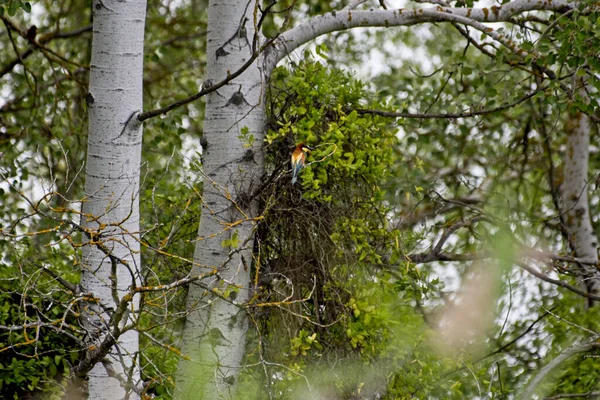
(480, 46)
(515, 339)
(394, 114)
(353, 4)
(505, 346)
(556, 201)
(182, 38)
(439, 256)
(439, 93)
(8, 105)
(424, 258)
(557, 282)
(431, 211)
(207, 88)
(40, 44)
(586, 395)
(72, 288)
(577, 348)
(552, 26)
(446, 235)
(346, 19)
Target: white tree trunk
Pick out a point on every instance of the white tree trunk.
(215, 332)
(111, 259)
(577, 218)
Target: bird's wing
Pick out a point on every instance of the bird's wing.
(298, 159)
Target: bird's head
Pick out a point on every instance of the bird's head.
(304, 147)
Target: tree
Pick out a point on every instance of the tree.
(111, 265)
(367, 250)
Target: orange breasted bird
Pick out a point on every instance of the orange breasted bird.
(298, 159)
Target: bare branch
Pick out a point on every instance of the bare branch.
(423, 258)
(579, 347)
(470, 114)
(586, 395)
(353, 4)
(72, 288)
(346, 19)
(432, 211)
(43, 39)
(557, 282)
(206, 89)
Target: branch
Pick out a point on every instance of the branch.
(540, 114)
(93, 355)
(207, 88)
(506, 345)
(562, 357)
(446, 235)
(470, 114)
(353, 4)
(183, 38)
(8, 105)
(430, 211)
(72, 288)
(123, 381)
(423, 258)
(587, 395)
(557, 282)
(516, 338)
(480, 46)
(346, 19)
(39, 44)
(436, 254)
(544, 256)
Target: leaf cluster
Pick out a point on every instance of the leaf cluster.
(325, 246)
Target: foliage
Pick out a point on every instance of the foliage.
(35, 358)
(12, 6)
(505, 165)
(42, 134)
(325, 247)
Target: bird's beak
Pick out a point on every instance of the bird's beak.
(309, 148)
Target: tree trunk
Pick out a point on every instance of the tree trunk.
(583, 240)
(111, 259)
(215, 331)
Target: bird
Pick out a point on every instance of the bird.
(298, 158)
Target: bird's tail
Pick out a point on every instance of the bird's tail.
(295, 170)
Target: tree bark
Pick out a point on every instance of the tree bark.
(111, 259)
(583, 240)
(213, 341)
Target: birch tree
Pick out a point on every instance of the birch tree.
(214, 336)
(578, 220)
(110, 214)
